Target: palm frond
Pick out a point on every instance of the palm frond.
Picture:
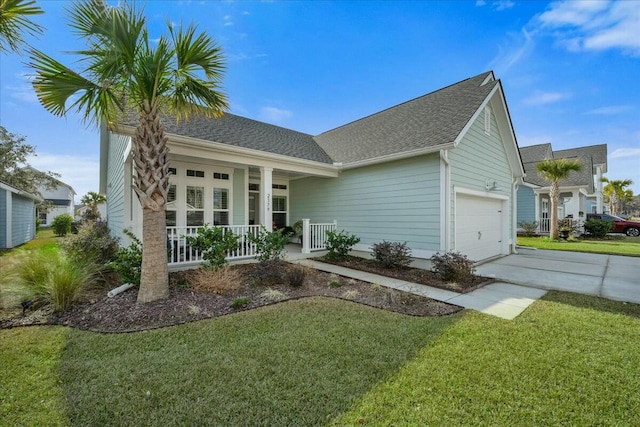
(15, 23)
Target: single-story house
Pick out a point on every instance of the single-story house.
(579, 194)
(439, 172)
(17, 216)
(62, 199)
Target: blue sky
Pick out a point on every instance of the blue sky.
(571, 70)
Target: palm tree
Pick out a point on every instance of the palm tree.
(15, 22)
(124, 72)
(617, 193)
(91, 200)
(554, 171)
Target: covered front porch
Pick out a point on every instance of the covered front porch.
(571, 205)
(181, 255)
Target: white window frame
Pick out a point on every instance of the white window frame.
(228, 208)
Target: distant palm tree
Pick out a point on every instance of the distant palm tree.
(617, 193)
(15, 23)
(124, 72)
(554, 171)
(91, 200)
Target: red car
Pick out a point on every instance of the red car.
(620, 225)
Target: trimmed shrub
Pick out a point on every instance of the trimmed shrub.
(62, 224)
(392, 254)
(128, 261)
(340, 244)
(92, 241)
(214, 243)
(453, 266)
(598, 228)
(270, 244)
(529, 229)
(54, 279)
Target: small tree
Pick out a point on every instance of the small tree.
(616, 192)
(554, 171)
(92, 200)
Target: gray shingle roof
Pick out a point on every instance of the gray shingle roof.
(589, 156)
(247, 133)
(428, 121)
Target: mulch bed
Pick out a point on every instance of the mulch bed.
(409, 274)
(187, 304)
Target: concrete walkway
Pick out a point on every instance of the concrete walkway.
(499, 299)
(607, 276)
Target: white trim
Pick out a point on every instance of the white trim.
(395, 156)
(19, 192)
(445, 176)
(473, 118)
(9, 229)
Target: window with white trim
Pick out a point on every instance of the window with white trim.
(195, 206)
(220, 206)
(487, 120)
(279, 206)
(171, 212)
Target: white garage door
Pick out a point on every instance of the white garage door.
(479, 226)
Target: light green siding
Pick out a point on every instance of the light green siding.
(23, 220)
(479, 158)
(116, 185)
(240, 187)
(526, 205)
(396, 201)
(3, 217)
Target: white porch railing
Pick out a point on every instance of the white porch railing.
(543, 225)
(314, 236)
(181, 253)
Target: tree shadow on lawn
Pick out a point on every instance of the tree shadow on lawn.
(301, 362)
(594, 303)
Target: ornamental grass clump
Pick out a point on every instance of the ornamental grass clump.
(221, 281)
(55, 279)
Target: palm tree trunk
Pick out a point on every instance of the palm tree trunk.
(554, 194)
(151, 183)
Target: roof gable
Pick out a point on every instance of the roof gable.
(433, 120)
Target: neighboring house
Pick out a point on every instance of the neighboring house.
(440, 172)
(81, 209)
(579, 194)
(62, 200)
(17, 216)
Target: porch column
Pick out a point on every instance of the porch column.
(306, 236)
(266, 210)
(536, 207)
(599, 207)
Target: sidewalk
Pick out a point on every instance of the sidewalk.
(498, 299)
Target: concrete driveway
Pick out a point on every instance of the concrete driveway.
(608, 276)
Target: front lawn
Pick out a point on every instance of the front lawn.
(567, 360)
(629, 246)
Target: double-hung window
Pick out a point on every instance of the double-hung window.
(195, 206)
(220, 206)
(279, 204)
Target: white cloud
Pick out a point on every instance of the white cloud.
(480, 3)
(542, 98)
(228, 21)
(625, 153)
(274, 114)
(610, 110)
(594, 25)
(503, 4)
(80, 172)
(519, 47)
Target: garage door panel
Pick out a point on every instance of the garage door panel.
(479, 226)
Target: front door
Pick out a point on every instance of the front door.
(254, 208)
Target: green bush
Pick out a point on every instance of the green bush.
(453, 266)
(214, 243)
(340, 244)
(597, 228)
(269, 244)
(92, 241)
(240, 302)
(529, 229)
(392, 254)
(62, 224)
(38, 224)
(55, 279)
(128, 261)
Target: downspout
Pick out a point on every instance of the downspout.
(445, 209)
(514, 216)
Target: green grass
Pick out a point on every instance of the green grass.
(567, 360)
(629, 246)
(30, 393)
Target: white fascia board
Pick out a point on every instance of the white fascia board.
(528, 184)
(396, 156)
(193, 147)
(19, 192)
